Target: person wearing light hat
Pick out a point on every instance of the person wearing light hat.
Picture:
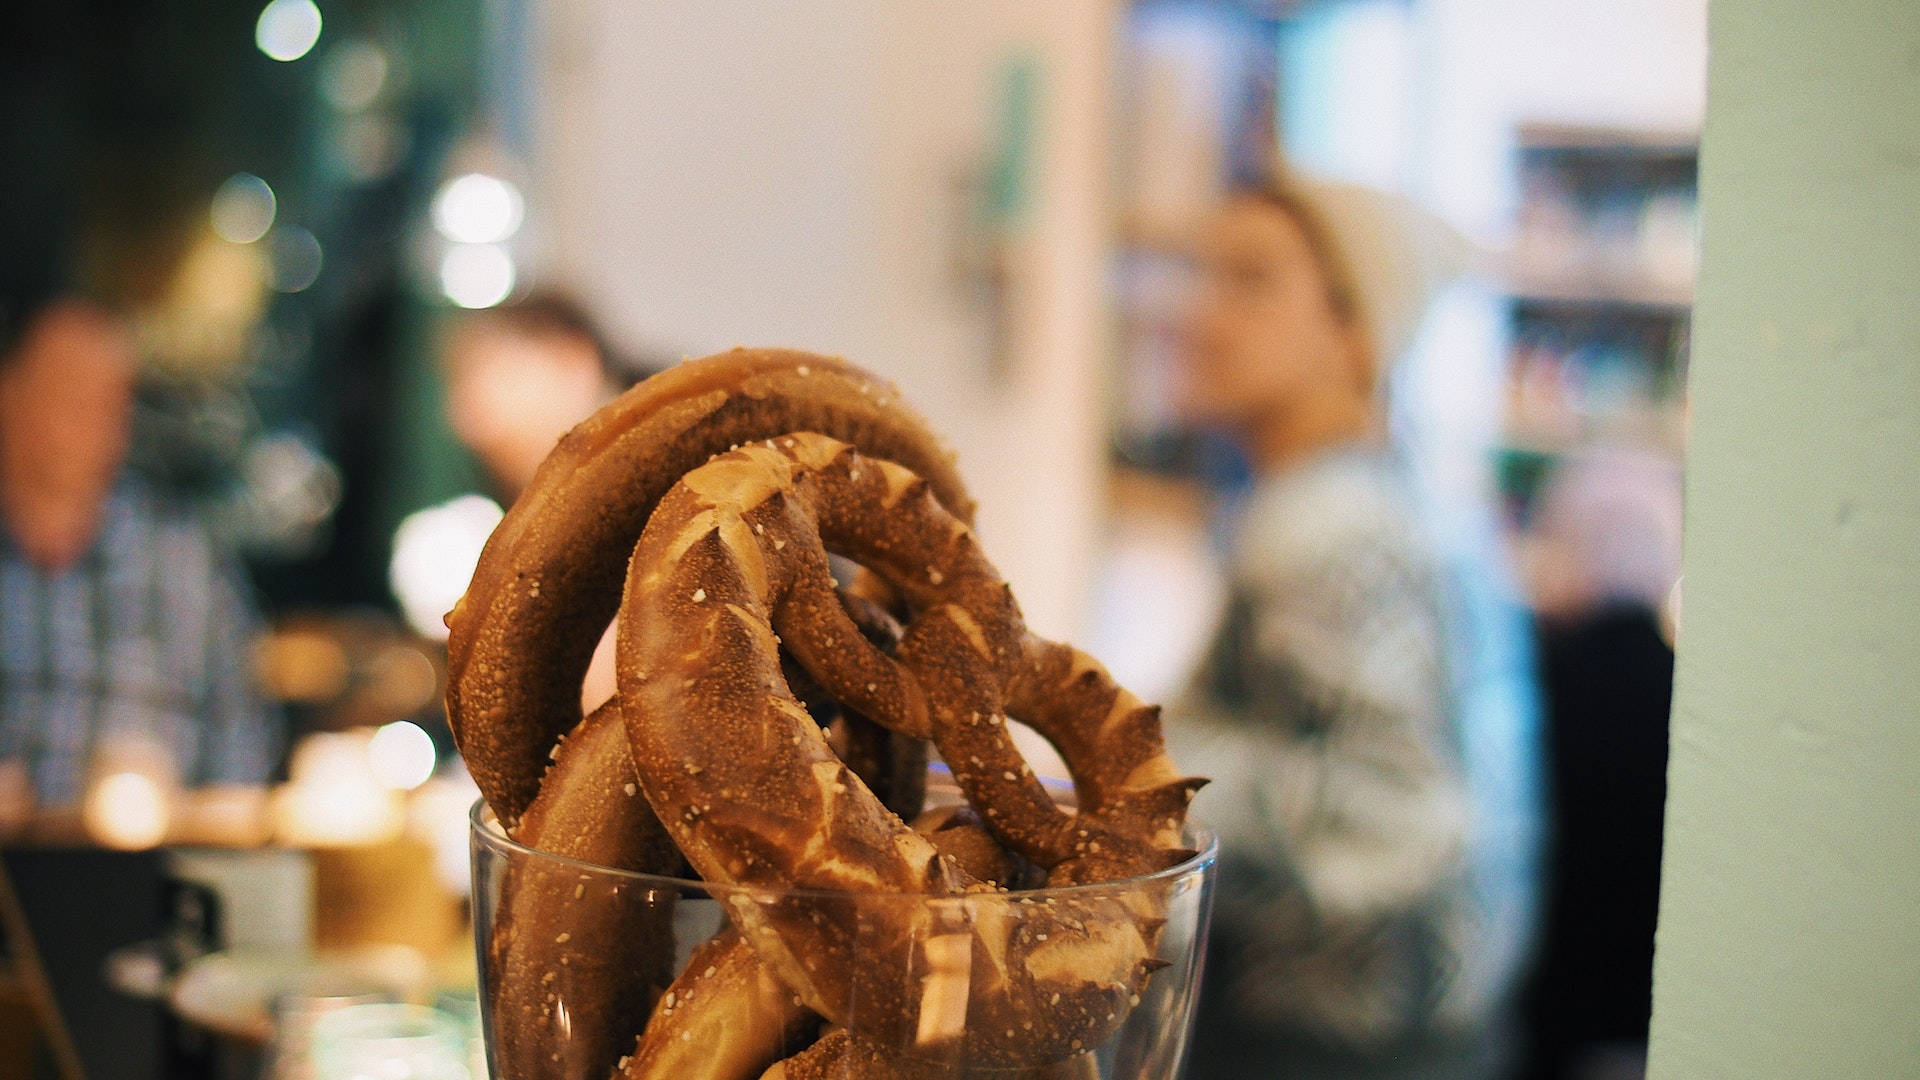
(1365, 708)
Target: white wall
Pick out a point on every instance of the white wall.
(687, 168)
(734, 172)
(1614, 63)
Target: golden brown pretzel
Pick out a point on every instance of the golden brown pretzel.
(726, 1016)
(730, 568)
(549, 578)
(1128, 813)
(546, 583)
(574, 957)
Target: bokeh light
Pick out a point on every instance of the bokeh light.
(354, 74)
(287, 29)
(476, 275)
(437, 817)
(296, 258)
(434, 553)
(402, 755)
(332, 797)
(370, 145)
(243, 209)
(402, 679)
(126, 810)
(477, 209)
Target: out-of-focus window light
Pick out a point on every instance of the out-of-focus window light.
(126, 810)
(354, 74)
(243, 209)
(402, 755)
(296, 258)
(477, 209)
(434, 553)
(1349, 85)
(476, 275)
(287, 29)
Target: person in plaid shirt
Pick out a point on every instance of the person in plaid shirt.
(121, 619)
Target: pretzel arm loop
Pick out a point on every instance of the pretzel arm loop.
(548, 581)
(815, 627)
(1111, 742)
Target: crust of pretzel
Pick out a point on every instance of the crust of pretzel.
(576, 956)
(931, 986)
(730, 568)
(725, 1018)
(549, 578)
(511, 684)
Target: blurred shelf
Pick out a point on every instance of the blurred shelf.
(1602, 290)
(1616, 141)
(1553, 447)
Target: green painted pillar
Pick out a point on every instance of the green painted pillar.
(1789, 941)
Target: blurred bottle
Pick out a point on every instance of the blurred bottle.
(392, 1042)
(295, 1018)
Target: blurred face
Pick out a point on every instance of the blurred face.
(511, 395)
(66, 403)
(1263, 336)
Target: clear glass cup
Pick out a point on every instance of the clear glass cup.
(921, 979)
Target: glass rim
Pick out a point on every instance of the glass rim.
(484, 828)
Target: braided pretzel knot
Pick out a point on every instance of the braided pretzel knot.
(515, 662)
(544, 590)
(549, 578)
(732, 566)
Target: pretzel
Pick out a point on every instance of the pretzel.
(947, 982)
(728, 1016)
(520, 641)
(549, 577)
(566, 933)
(569, 942)
(730, 568)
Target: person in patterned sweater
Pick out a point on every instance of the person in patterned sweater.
(1365, 707)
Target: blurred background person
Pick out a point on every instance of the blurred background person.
(521, 375)
(1372, 900)
(1605, 564)
(518, 377)
(121, 619)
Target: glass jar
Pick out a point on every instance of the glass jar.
(921, 979)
